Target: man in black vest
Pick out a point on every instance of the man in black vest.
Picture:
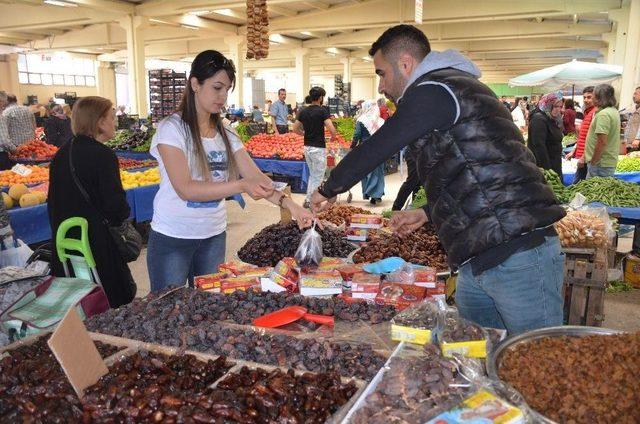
(487, 199)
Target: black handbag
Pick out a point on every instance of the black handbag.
(127, 238)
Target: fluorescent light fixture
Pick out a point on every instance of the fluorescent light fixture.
(277, 38)
(225, 12)
(60, 3)
(366, 58)
(199, 12)
(332, 50)
(307, 33)
(158, 21)
(189, 27)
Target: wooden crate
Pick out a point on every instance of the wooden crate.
(585, 280)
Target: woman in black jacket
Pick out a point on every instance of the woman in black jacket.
(57, 127)
(545, 133)
(96, 167)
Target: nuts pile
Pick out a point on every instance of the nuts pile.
(277, 241)
(33, 387)
(341, 214)
(581, 229)
(591, 379)
(257, 29)
(150, 387)
(413, 390)
(422, 247)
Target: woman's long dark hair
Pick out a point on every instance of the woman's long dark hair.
(204, 66)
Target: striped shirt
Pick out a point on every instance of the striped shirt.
(20, 123)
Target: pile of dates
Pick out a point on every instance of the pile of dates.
(414, 389)
(278, 241)
(186, 323)
(151, 387)
(422, 247)
(457, 329)
(33, 387)
(591, 379)
(341, 214)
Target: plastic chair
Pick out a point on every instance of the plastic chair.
(83, 266)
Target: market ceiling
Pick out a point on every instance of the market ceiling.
(504, 37)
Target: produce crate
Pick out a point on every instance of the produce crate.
(585, 280)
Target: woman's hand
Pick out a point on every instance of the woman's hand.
(405, 222)
(303, 216)
(257, 188)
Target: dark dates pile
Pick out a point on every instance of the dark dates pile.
(422, 247)
(413, 390)
(457, 329)
(593, 379)
(278, 241)
(33, 387)
(151, 387)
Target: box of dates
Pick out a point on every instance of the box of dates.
(425, 277)
(365, 221)
(320, 283)
(399, 295)
(254, 272)
(330, 264)
(365, 285)
(357, 234)
(235, 267)
(287, 268)
(211, 282)
(229, 285)
(280, 280)
(347, 272)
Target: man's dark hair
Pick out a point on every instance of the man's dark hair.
(588, 89)
(569, 104)
(638, 88)
(11, 98)
(402, 38)
(307, 99)
(605, 96)
(316, 92)
(525, 98)
(281, 90)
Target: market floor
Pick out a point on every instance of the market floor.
(622, 310)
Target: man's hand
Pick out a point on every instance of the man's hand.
(581, 162)
(635, 144)
(570, 154)
(405, 222)
(319, 202)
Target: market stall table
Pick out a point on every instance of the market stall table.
(632, 177)
(293, 168)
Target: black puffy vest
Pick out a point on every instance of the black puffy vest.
(483, 186)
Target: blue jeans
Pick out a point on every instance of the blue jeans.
(521, 294)
(599, 171)
(172, 261)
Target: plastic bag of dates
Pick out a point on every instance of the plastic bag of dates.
(416, 323)
(309, 253)
(457, 335)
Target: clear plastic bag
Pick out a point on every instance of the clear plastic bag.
(309, 253)
(457, 335)
(404, 275)
(585, 226)
(14, 252)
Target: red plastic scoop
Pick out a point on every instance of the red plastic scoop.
(288, 315)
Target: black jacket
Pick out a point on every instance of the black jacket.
(97, 168)
(545, 141)
(58, 131)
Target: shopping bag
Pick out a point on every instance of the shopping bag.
(14, 252)
(40, 309)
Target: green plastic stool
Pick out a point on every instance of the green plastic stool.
(83, 266)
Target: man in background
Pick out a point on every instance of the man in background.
(506, 104)
(280, 113)
(578, 151)
(6, 145)
(603, 139)
(20, 121)
(632, 132)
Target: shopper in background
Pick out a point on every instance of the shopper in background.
(384, 110)
(96, 167)
(603, 139)
(6, 145)
(578, 151)
(569, 117)
(121, 110)
(57, 128)
(67, 110)
(256, 114)
(41, 114)
(545, 133)
(506, 103)
(280, 113)
(20, 121)
(367, 124)
(489, 203)
(632, 132)
(311, 122)
(201, 162)
(519, 115)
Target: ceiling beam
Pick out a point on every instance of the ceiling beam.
(209, 25)
(281, 10)
(316, 5)
(169, 7)
(108, 5)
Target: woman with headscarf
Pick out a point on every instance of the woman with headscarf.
(545, 132)
(58, 127)
(367, 124)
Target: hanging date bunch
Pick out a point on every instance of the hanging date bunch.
(257, 29)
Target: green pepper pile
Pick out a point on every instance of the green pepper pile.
(609, 191)
(243, 132)
(628, 164)
(554, 181)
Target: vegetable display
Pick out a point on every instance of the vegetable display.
(345, 127)
(35, 150)
(554, 181)
(39, 174)
(284, 146)
(138, 140)
(243, 132)
(609, 191)
(628, 164)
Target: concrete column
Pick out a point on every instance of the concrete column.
(630, 67)
(138, 95)
(302, 74)
(106, 81)
(346, 69)
(9, 75)
(617, 53)
(235, 44)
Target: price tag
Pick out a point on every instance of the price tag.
(144, 128)
(21, 170)
(279, 186)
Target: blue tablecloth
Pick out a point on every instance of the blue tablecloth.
(128, 154)
(143, 201)
(292, 168)
(632, 177)
(627, 215)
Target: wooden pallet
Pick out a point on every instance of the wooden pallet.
(585, 280)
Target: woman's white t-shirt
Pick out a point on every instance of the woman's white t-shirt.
(179, 218)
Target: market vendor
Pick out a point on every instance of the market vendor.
(487, 199)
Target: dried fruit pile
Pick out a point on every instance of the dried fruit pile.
(189, 318)
(257, 29)
(340, 214)
(125, 163)
(422, 247)
(590, 379)
(278, 241)
(152, 387)
(33, 387)
(413, 390)
(457, 329)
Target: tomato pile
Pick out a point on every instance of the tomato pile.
(35, 150)
(133, 163)
(285, 146)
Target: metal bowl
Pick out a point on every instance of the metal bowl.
(496, 355)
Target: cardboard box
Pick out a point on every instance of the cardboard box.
(254, 272)
(425, 277)
(481, 407)
(365, 285)
(320, 283)
(235, 267)
(330, 264)
(287, 268)
(437, 292)
(230, 285)
(211, 282)
(357, 234)
(281, 281)
(365, 221)
(399, 295)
